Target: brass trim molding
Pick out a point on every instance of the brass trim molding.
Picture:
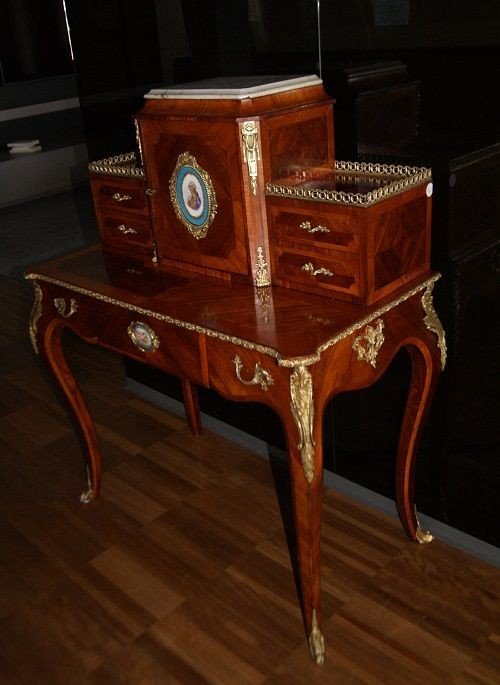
(251, 151)
(408, 176)
(138, 141)
(432, 322)
(262, 279)
(361, 323)
(316, 641)
(368, 344)
(240, 342)
(260, 377)
(36, 313)
(302, 406)
(119, 165)
(263, 300)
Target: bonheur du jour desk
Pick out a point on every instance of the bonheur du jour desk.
(290, 350)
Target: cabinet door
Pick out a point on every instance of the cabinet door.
(198, 208)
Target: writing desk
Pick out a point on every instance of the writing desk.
(290, 350)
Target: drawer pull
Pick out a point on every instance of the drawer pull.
(126, 229)
(307, 226)
(60, 305)
(261, 376)
(309, 267)
(118, 197)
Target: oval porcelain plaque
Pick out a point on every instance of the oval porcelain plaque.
(193, 196)
(143, 336)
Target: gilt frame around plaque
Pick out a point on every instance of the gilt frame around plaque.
(143, 336)
(193, 196)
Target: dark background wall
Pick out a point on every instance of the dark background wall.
(414, 82)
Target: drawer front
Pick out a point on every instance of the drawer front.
(124, 195)
(317, 271)
(145, 338)
(243, 374)
(126, 230)
(328, 227)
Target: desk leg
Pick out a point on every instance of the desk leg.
(191, 405)
(51, 351)
(306, 476)
(425, 371)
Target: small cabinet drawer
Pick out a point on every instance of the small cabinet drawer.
(315, 270)
(126, 230)
(120, 195)
(336, 229)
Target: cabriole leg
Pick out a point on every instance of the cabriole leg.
(425, 372)
(306, 476)
(49, 336)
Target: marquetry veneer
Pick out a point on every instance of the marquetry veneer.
(357, 232)
(290, 350)
(121, 205)
(281, 208)
(236, 189)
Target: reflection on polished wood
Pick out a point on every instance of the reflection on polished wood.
(206, 335)
(180, 572)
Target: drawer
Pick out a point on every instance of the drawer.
(317, 271)
(126, 230)
(119, 195)
(329, 227)
(143, 337)
(242, 373)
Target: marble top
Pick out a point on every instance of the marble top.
(234, 87)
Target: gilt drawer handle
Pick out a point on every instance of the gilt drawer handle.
(126, 229)
(307, 226)
(60, 305)
(309, 267)
(261, 376)
(118, 197)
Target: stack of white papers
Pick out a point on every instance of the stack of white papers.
(23, 147)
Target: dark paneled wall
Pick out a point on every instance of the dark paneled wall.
(117, 60)
(33, 40)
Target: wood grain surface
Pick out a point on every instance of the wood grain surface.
(180, 573)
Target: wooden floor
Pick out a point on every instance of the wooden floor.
(181, 573)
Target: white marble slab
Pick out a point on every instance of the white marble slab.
(234, 87)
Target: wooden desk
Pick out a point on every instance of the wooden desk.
(290, 350)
